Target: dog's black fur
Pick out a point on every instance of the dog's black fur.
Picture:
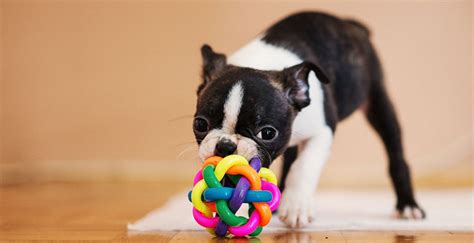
(342, 49)
(337, 50)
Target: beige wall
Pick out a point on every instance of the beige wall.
(100, 84)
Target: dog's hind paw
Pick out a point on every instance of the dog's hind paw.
(410, 211)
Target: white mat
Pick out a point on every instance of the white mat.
(446, 210)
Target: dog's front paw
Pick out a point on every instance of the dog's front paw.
(409, 211)
(296, 209)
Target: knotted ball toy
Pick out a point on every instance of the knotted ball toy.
(223, 185)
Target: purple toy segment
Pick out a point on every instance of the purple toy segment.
(256, 163)
(221, 228)
(242, 187)
(238, 197)
(239, 194)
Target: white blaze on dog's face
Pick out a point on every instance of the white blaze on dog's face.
(224, 140)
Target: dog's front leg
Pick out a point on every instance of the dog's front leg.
(297, 205)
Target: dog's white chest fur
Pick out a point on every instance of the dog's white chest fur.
(260, 55)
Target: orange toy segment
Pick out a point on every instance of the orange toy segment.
(211, 161)
(211, 206)
(249, 173)
(264, 212)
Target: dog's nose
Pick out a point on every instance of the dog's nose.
(225, 147)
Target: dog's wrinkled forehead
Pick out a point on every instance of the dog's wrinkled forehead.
(239, 98)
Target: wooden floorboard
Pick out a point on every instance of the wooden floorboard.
(101, 211)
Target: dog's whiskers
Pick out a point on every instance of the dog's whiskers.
(185, 143)
(180, 118)
(187, 149)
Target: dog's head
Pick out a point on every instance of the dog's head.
(247, 111)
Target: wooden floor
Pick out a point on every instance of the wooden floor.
(100, 211)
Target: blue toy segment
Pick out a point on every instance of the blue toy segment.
(225, 193)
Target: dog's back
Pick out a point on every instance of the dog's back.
(341, 47)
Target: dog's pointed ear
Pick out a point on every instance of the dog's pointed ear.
(212, 64)
(296, 85)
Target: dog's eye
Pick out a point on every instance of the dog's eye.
(267, 133)
(200, 125)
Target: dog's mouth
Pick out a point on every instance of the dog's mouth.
(220, 144)
(264, 156)
(261, 153)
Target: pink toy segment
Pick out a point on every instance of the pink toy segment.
(197, 177)
(247, 228)
(203, 220)
(275, 202)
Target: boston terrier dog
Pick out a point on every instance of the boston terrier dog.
(285, 92)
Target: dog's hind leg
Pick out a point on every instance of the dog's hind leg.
(381, 115)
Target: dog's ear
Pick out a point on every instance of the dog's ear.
(296, 85)
(212, 64)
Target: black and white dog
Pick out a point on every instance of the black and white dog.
(285, 92)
